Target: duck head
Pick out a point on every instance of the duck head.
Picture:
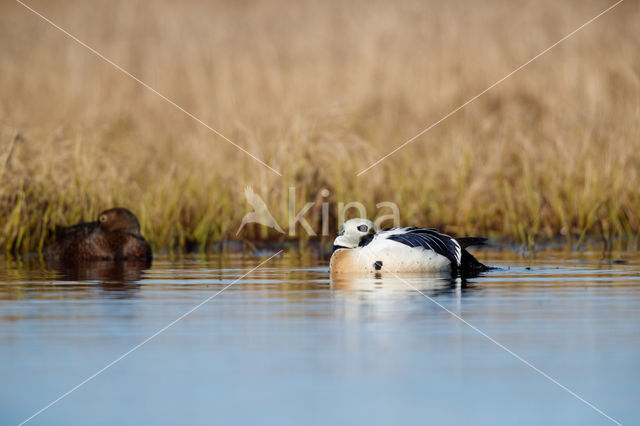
(352, 232)
(119, 220)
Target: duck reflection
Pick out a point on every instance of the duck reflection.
(118, 276)
(400, 285)
(388, 297)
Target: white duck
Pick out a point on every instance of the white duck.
(361, 247)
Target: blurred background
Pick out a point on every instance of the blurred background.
(319, 91)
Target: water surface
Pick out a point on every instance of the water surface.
(287, 346)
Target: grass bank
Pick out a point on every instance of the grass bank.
(319, 91)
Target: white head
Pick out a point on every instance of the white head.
(351, 233)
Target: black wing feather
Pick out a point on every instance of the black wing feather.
(429, 239)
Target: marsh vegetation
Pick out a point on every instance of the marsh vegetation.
(319, 91)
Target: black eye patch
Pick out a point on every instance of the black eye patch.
(363, 228)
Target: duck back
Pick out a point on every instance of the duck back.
(88, 241)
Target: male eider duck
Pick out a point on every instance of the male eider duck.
(114, 236)
(361, 248)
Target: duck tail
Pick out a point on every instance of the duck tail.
(471, 241)
(469, 265)
(56, 232)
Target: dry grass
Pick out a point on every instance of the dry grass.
(319, 90)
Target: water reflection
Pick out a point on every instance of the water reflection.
(33, 278)
(403, 285)
(355, 343)
(394, 286)
(114, 272)
(120, 278)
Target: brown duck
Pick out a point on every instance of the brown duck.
(114, 236)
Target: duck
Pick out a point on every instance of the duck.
(360, 247)
(115, 235)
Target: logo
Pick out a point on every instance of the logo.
(260, 213)
(262, 216)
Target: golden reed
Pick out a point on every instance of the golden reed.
(319, 91)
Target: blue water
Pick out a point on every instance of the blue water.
(288, 346)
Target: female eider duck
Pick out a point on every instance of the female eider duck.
(114, 236)
(361, 248)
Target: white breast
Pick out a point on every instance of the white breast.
(393, 256)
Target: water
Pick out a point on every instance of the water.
(287, 346)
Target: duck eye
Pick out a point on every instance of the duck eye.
(363, 228)
(103, 218)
